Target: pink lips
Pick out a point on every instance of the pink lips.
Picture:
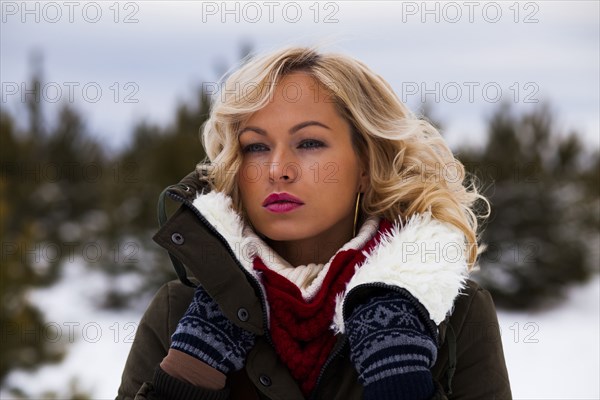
(281, 202)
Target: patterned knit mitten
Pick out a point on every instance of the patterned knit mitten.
(207, 335)
(392, 348)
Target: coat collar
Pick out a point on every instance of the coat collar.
(425, 256)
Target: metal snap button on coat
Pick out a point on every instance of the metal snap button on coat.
(177, 238)
(264, 380)
(243, 314)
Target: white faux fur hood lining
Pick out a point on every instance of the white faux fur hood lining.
(427, 257)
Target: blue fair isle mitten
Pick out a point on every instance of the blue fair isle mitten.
(392, 348)
(207, 335)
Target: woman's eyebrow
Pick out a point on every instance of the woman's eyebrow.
(291, 131)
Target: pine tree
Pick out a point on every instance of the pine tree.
(543, 190)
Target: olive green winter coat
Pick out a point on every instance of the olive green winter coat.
(470, 362)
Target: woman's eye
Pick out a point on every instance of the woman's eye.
(254, 148)
(311, 144)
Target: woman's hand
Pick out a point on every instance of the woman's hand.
(207, 335)
(392, 348)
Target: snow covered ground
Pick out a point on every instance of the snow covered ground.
(97, 341)
(555, 354)
(550, 355)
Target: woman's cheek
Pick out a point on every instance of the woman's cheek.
(330, 172)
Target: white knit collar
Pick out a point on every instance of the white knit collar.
(298, 274)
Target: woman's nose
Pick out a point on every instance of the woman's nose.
(283, 167)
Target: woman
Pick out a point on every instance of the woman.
(331, 237)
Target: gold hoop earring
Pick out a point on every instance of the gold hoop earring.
(356, 214)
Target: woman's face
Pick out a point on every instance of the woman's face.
(298, 144)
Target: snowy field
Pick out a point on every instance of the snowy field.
(550, 355)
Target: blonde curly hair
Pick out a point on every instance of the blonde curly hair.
(411, 168)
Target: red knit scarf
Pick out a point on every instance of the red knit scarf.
(300, 330)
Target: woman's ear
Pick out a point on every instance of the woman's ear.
(364, 180)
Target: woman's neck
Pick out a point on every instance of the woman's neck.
(318, 249)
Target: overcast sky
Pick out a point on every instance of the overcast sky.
(121, 63)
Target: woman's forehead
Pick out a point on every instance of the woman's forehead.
(298, 87)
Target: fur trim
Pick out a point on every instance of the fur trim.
(427, 257)
(217, 208)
